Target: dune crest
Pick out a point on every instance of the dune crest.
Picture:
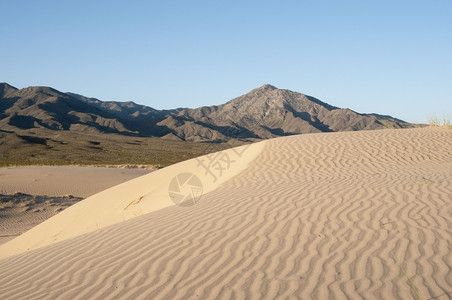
(134, 198)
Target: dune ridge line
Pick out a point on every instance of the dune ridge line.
(133, 198)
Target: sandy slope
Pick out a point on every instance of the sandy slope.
(133, 198)
(360, 215)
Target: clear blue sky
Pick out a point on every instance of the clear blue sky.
(390, 57)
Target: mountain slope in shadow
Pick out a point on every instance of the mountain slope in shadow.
(263, 113)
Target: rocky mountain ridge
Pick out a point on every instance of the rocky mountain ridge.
(264, 112)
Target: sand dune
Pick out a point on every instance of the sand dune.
(353, 215)
(131, 199)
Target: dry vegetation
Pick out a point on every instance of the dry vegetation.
(46, 147)
(439, 122)
(30, 202)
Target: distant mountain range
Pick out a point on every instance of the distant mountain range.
(264, 112)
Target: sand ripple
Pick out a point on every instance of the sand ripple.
(355, 215)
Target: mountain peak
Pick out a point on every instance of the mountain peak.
(268, 87)
(4, 84)
(5, 88)
(41, 89)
